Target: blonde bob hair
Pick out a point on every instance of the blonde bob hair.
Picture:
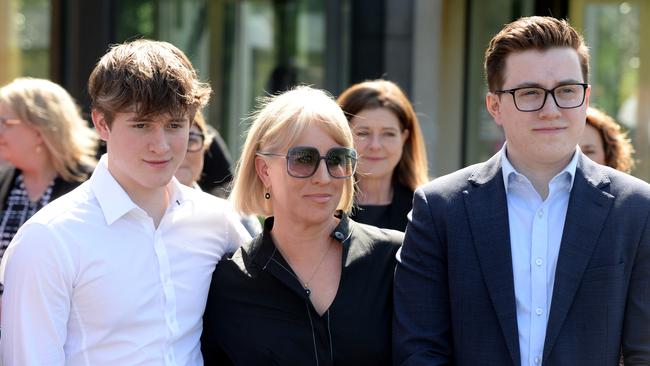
(48, 108)
(278, 123)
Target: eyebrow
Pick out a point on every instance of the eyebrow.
(530, 84)
(149, 120)
(369, 127)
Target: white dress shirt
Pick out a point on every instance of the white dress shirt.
(89, 280)
(536, 229)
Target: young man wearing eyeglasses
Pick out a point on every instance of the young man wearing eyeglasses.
(538, 256)
(117, 271)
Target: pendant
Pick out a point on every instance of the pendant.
(308, 291)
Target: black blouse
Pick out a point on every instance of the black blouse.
(259, 314)
(391, 216)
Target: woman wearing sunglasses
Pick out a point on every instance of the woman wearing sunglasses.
(392, 157)
(315, 287)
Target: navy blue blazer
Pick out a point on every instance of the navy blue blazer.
(454, 291)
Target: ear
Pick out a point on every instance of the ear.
(493, 104)
(101, 125)
(587, 95)
(262, 169)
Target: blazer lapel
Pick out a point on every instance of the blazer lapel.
(487, 208)
(589, 205)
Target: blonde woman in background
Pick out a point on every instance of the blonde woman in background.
(49, 146)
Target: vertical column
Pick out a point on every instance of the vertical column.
(9, 49)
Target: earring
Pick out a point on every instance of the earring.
(267, 195)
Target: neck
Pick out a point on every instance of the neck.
(540, 175)
(375, 191)
(293, 239)
(38, 176)
(154, 203)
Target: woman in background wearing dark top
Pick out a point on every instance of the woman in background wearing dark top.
(315, 288)
(48, 145)
(392, 156)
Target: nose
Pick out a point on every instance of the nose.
(550, 110)
(375, 141)
(321, 176)
(159, 140)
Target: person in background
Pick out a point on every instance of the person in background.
(191, 168)
(604, 142)
(50, 149)
(117, 271)
(315, 287)
(392, 156)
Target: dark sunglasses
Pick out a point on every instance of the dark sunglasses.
(303, 161)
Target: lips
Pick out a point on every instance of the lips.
(157, 163)
(319, 198)
(550, 129)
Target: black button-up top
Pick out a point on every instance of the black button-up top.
(259, 314)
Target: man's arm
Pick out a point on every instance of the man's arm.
(36, 299)
(237, 233)
(636, 327)
(421, 322)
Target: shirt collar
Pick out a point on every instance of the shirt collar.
(262, 248)
(508, 170)
(113, 199)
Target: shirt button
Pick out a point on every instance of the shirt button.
(540, 213)
(338, 235)
(539, 311)
(539, 261)
(537, 360)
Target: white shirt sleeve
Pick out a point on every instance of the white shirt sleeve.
(237, 233)
(37, 272)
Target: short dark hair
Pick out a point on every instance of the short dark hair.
(536, 33)
(146, 77)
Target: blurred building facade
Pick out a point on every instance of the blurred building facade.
(249, 48)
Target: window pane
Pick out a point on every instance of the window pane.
(483, 136)
(613, 32)
(24, 39)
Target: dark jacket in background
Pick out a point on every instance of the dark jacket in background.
(8, 175)
(258, 313)
(397, 210)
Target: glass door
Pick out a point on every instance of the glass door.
(620, 66)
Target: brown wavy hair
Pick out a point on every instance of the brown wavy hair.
(149, 78)
(618, 147)
(412, 170)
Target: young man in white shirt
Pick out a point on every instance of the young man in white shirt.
(117, 271)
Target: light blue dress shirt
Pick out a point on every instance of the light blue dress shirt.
(536, 228)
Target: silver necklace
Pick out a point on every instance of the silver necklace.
(305, 285)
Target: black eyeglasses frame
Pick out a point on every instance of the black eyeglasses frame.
(546, 93)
